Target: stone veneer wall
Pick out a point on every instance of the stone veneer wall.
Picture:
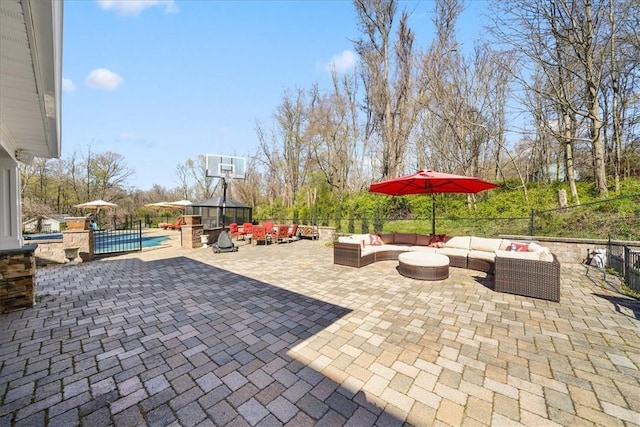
(50, 251)
(17, 278)
(326, 233)
(191, 231)
(82, 239)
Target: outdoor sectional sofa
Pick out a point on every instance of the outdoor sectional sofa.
(519, 268)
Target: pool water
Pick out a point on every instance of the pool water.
(125, 241)
(109, 242)
(49, 236)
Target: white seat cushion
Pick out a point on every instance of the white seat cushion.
(423, 249)
(458, 242)
(483, 244)
(453, 252)
(423, 259)
(485, 256)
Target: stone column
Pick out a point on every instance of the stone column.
(17, 278)
(191, 231)
(10, 207)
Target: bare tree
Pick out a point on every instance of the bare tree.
(565, 39)
(387, 77)
(109, 173)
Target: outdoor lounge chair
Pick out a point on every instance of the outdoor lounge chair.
(169, 226)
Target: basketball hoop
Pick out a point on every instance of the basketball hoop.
(225, 168)
(227, 174)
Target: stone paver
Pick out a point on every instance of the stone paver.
(279, 335)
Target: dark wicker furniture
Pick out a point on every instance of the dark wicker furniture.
(423, 272)
(529, 278)
(525, 277)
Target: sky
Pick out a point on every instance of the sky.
(163, 81)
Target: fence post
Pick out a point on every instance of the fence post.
(627, 265)
(531, 222)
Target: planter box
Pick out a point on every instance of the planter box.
(77, 223)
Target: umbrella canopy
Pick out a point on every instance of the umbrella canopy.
(180, 203)
(431, 182)
(96, 204)
(161, 206)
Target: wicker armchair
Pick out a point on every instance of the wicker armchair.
(351, 254)
(530, 278)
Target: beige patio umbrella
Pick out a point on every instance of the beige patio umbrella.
(162, 206)
(180, 203)
(97, 205)
(158, 206)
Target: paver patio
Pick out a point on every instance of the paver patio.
(279, 335)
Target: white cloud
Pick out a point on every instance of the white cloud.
(342, 62)
(101, 78)
(135, 7)
(67, 85)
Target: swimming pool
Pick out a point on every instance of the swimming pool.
(123, 241)
(111, 241)
(47, 236)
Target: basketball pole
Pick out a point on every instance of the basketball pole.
(224, 200)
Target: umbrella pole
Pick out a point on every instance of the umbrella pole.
(433, 214)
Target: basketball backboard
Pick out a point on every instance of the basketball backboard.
(228, 167)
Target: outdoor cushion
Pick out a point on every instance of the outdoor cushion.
(505, 245)
(422, 249)
(483, 255)
(375, 240)
(369, 250)
(519, 247)
(351, 239)
(452, 251)
(484, 244)
(404, 248)
(458, 242)
(404, 238)
(364, 237)
(534, 256)
(534, 247)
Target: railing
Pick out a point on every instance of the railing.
(626, 261)
(125, 239)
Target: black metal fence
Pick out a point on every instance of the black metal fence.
(625, 260)
(124, 238)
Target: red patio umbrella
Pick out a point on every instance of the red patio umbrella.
(431, 182)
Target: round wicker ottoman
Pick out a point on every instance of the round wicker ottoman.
(423, 266)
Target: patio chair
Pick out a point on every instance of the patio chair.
(293, 231)
(282, 234)
(247, 229)
(234, 231)
(260, 234)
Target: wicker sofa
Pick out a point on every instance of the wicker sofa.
(531, 271)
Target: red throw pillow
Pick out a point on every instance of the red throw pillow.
(375, 240)
(437, 240)
(519, 247)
